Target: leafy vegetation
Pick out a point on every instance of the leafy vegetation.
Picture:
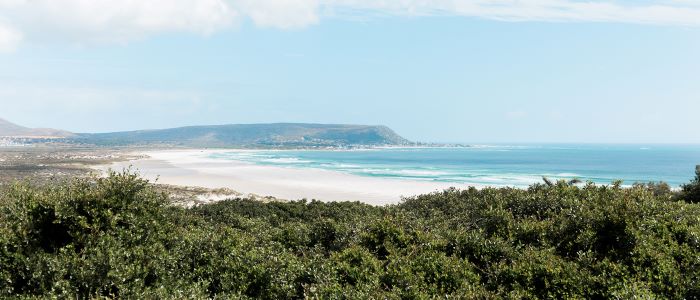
(691, 191)
(117, 237)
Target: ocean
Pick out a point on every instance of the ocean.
(496, 165)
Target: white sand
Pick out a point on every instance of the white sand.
(195, 168)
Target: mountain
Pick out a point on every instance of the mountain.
(254, 135)
(8, 129)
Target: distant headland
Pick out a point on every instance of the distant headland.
(273, 135)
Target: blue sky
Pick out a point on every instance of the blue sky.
(451, 71)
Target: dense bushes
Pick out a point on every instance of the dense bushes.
(691, 191)
(116, 237)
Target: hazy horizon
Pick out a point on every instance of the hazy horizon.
(434, 71)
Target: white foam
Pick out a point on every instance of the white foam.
(284, 160)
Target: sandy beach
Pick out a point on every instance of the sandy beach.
(195, 168)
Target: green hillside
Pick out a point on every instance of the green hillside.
(270, 135)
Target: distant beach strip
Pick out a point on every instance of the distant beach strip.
(197, 168)
(383, 176)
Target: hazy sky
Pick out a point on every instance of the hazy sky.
(433, 70)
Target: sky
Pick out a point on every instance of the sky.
(500, 71)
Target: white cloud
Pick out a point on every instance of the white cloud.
(90, 21)
(9, 38)
(674, 13)
(86, 21)
(280, 13)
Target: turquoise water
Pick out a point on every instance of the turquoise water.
(498, 165)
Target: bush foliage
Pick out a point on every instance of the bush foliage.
(117, 238)
(691, 191)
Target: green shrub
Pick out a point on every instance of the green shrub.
(116, 237)
(691, 191)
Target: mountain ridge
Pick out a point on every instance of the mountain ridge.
(227, 135)
(9, 129)
(266, 135)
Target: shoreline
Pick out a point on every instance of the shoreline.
(193, 167)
